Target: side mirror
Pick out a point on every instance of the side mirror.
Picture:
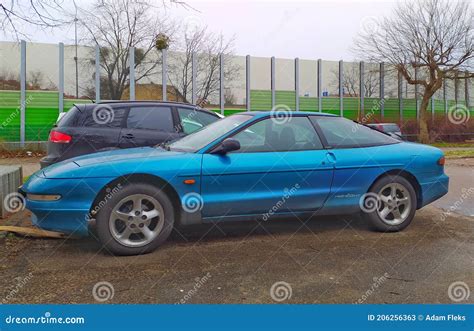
(228, 145)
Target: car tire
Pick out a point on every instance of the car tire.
(135, 220)
(390, 205)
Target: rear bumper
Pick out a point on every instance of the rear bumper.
(433, 190)
(47, 161)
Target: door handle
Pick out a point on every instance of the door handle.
(128, 136)
(331, 157)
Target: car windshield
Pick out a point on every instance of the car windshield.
(208, 134)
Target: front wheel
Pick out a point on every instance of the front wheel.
(390, 205)
(136, 220)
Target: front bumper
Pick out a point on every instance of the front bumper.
(70, 214)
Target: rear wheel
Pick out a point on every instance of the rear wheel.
(136, 220)
(390, 205)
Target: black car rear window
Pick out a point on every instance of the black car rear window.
(150, 118)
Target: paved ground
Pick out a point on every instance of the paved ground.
(326, 260)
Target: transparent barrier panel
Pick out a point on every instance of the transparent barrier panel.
(308, 85)
(260, 83)
(330, 87)
(42, 96)
(234, 85)
(9, 92)
(351, 89)
(285, 83)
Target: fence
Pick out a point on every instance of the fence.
(28, 111)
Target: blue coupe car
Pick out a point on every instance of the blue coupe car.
(254, 165)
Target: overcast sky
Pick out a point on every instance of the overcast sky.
(308, 29)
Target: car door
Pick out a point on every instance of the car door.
(191, 119)
(148, 125)
(96, 129)
(280, 168)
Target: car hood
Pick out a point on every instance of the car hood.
(121, 155)
(111, 163)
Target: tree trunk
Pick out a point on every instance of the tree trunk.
(424, 136)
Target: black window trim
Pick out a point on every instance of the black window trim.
(217, 142)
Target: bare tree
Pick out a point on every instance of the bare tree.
(208, 48)
(351, 81)
(116, 26)
(435, 36)
(19, 15)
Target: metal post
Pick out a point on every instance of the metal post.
(417, 106)
(466, 90)
(362, 87)
(382, 90)
(97, 74)
(193, 78)
(131, 65)
(221, 82)
(445, 96)
(272, 81)
(22, 92)
(456, 89)
(341, 88)
(297, 84)
(247, 81)
(400, 96)
(61, 78)
(164, 74)
(320, 87)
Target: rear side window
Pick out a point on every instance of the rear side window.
(70, 117)
(101, 116)
(192, 120)
(391, 128)
(343, 133)
(150, 118)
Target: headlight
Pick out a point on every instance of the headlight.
(43, 197)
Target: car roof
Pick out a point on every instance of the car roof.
(277, 112)
(143, 102)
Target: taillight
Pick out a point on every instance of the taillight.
(59, 137)
(441, 161)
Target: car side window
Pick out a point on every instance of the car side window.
(157, 118)
(270, 135)
(192, 120)
(343, 133)
(102, 116)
